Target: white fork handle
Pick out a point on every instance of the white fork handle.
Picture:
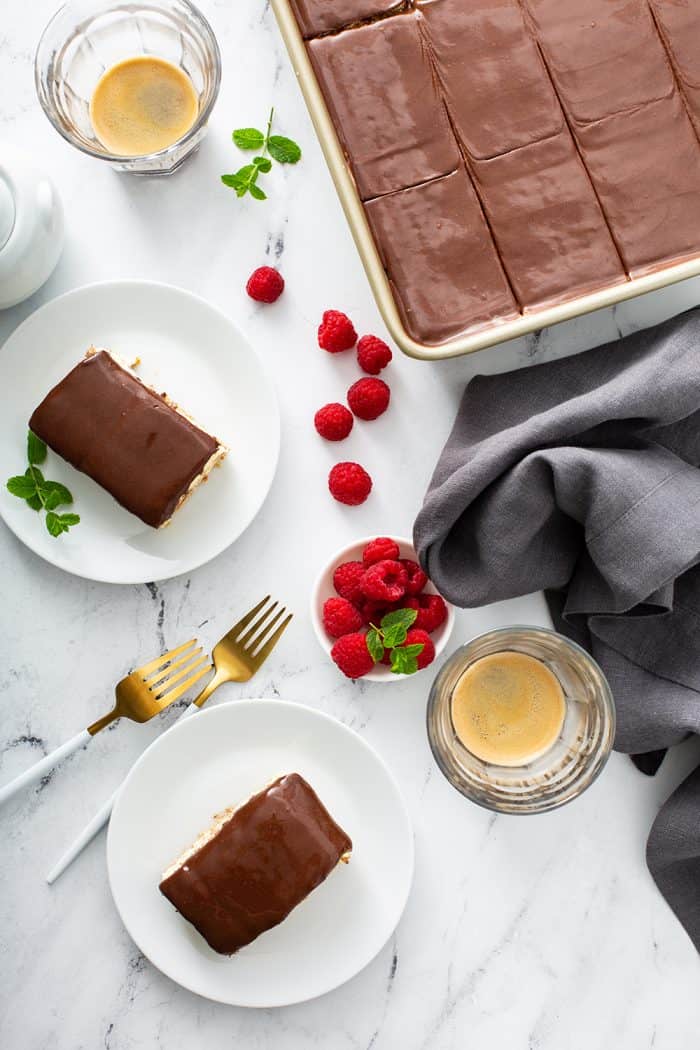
(43, 766)
(97, 823)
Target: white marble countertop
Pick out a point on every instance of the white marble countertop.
(544, 933)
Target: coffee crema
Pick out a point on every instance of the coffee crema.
(142, 105)
(508, 708)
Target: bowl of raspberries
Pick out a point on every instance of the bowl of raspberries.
(376, 613)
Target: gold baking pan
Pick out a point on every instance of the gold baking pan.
(468, 342)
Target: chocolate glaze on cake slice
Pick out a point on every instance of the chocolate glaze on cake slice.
(382, 94)
(322, 16)
(134, 442)
(605, 56)
(496, 86)
(440, 258)
(679, 25)
(246, 872)
(548, 225)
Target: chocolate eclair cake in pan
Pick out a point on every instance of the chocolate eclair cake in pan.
(513, 155)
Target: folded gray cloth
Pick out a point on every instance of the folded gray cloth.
(581, 477)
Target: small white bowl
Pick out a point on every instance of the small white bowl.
(323, 589)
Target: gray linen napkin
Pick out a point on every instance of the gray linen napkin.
(581, 477)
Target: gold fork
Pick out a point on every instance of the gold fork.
(239, 654)
(139, 696)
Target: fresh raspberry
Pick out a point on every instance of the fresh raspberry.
(352, 656)
(431, 610)
(385, 581)
(372, 354)
(416, 636)
(380, 549)
(336, 333)
(349, 483)
(265, 285)
(368, 398)
(333, 422)
(340, 617)
(370, 611)
(346, 580)
(417, 579)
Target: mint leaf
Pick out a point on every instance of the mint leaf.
(22, 486)
(35, 502)
(395, 626)
(35, 474)
(53, 494)
(59, 523)
(399, 618)
(283, 150)
(263, 163)
(375, 644)
(234, 181)
(36, 449)
(54, 524)
(405, 659)
(257, 193)
(249, 138)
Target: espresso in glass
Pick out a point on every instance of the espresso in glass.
(521, 720)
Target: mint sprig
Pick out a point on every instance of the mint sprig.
(277, 147)
(391, 634)
(40, 494)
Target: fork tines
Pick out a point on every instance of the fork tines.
(162, 674)
(261, 636)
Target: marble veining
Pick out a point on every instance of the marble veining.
(541, 934)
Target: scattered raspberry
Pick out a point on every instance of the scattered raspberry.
(431, 610)
(372, 354)
(349, 483)
(265, 285)
(333, 422)
(340, 617)
(416, 636)
(368, 398)
(385, 581)
(351, 655)
(336, 332)
(380, 549)
(417, 579)
(346, 580)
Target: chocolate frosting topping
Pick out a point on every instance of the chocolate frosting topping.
(321, 16)
(106, 423)
(264, 860)
(382, 93)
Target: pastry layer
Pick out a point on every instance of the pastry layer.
(132, 441)
(645, 165)
(496, 86)
(605, 56)
(440, 258)
(547, 222)
(679, 24)
(322, 16)
(247, 872)
(381, 91)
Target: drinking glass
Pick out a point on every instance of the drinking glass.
(575, 759)
(86, 37)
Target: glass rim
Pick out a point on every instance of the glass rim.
(592, 772)
(117, 158)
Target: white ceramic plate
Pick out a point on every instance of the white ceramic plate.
(219, 758)
(187, 348)
(323, 589)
